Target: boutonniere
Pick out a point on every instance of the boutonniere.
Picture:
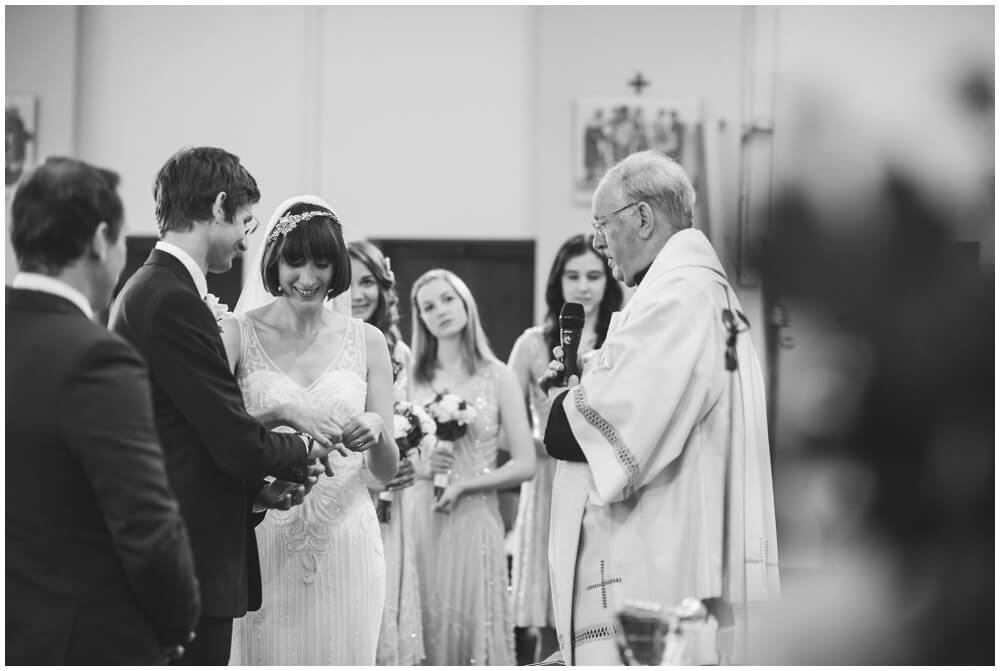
(218, 308)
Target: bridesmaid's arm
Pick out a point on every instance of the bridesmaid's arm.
(382, 459)
(520, 362)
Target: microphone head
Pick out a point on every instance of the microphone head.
(571, 316)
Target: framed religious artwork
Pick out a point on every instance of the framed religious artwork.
(606, 130)
(20, 124)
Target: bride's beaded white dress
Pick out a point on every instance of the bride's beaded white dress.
(322, 565)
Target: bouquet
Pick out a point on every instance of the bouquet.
(452, 415)
(413, 428)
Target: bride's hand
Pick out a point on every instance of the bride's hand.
(318, 425)
(362, 432)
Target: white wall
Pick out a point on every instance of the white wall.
(39, 52)
(368, 107)
(154, 79)
(427, 120)
(592, 52)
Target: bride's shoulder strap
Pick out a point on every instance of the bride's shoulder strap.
(231, 329)
(251, 353)
(356, 345)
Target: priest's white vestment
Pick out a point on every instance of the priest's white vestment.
(677, 472)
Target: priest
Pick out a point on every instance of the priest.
(663, 488)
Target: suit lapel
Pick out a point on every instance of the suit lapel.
(177, 269)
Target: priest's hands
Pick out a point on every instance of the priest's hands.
(552, 382)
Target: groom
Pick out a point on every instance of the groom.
(216, 453)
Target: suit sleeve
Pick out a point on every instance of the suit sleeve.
(107, 418)
(186, 353)
(253, 489)
(633, 411)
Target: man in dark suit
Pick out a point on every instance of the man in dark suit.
(216, 453)
(99, 568)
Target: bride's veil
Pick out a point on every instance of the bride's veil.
(254, 295)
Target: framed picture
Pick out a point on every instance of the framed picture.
(20, 124)
(606, 130)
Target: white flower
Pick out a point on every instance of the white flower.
(449, 405)
(427, 425)
(218, 308)
(401, 426)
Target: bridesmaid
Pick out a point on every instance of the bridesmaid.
(460, 558)
(374, 300)
(578, 275)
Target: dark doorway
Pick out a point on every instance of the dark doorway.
(500, 274)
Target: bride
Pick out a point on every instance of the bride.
(303, 366)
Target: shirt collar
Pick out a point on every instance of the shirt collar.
(196, 273)
(50, 285)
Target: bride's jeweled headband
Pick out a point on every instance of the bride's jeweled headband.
(288, 222)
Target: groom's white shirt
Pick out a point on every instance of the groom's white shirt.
(196, 274)
(50, 285)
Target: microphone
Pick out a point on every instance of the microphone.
(570, 330)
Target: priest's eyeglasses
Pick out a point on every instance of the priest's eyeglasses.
(599, 225)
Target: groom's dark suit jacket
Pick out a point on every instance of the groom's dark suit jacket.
(216, 453)
(99, 569)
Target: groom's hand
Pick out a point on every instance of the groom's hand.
(280, 495)
(171, 653)
(319, 453)
(315, 470)
(318, 426)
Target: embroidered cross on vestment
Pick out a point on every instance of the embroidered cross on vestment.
(605, 581)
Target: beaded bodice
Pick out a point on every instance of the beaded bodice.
(341, 388)
(476, 452)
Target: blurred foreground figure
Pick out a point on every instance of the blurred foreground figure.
(99, 568)
(906, 472)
